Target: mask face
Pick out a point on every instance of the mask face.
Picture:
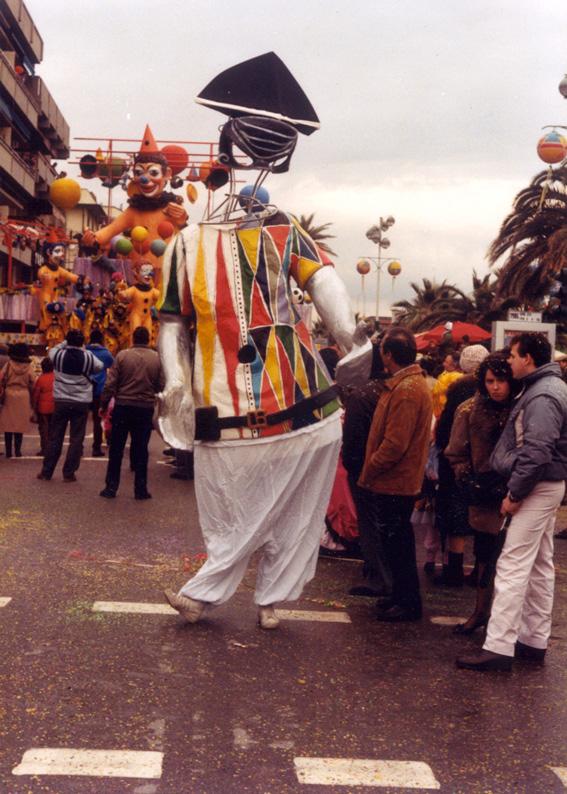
(150, 178)
(146, 274)
(56, 256)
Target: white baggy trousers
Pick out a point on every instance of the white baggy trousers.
(525, 576)
(271, 493)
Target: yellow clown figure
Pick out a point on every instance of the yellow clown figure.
(52, 278)
(142, 297)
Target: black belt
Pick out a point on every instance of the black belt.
(208, 424)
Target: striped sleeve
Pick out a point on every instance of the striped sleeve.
(174, 290)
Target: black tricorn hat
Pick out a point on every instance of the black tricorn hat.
(261, 86)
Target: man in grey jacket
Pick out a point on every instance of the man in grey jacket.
(73, 392)
(532, 455)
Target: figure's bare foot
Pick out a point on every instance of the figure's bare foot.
(189, 608)
(267, 618)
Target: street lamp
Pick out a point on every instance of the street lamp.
(376, 235)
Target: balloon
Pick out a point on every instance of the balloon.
(113, 167)
(261, 194)
(114, 241)
(177, 158)
(165, 229)
(139, 234)
(192, 194)
(123, 246)
(363, 267)
(65, 193)
(552, 148)
(394, 269)
(158, 247)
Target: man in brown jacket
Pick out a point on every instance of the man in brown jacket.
(133, 380)
(393, 470)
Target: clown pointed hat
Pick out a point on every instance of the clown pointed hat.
(149, 150)
(261, 86)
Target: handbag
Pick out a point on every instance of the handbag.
(3, 385)
(485, 489)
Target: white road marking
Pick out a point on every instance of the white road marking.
(358, 772)
(447, 620)
(4, 601)
(307, 614)
(133, 608)
(90, 763)
(561, 772)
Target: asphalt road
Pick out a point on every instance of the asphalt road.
(221, 706)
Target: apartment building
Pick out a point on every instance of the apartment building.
(33, 133)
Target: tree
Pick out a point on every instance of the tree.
(432, 304)
(534, 239)
(317, 233)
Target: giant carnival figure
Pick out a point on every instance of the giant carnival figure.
(53, 278)
(244, 382)
(150, 207)
(142, 297)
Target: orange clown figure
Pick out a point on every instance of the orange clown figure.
(150, 207)
(52, 277)
(142, 297)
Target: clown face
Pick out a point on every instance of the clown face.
(146, 273)
(151, 178)
(56, 256)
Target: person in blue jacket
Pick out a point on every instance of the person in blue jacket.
(99, 379)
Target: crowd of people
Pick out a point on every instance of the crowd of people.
(467, 443)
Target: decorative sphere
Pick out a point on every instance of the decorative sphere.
(176, 156)
(88, 165)
(552, 148)
(123, 246)
(363, 267)
(165, 229)
(112, 168)
(394, 269)
(65, 193)
(157, 247)
(139, 234)
(247, 192)
(114, 241)
(132, 189)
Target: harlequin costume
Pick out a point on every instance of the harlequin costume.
(255, 395)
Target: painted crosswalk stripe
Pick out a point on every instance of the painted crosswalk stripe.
(358, 772)
(447, 620)
(561, 772)
(90, 763)
(308, 614)
(5, 601)
(133, 608)
(136, 608)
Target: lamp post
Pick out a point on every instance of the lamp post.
(376, 235)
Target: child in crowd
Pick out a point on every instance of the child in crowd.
(43, 402)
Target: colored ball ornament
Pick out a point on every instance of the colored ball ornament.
(192, 193)
(123, 246)
(88, 165)
(165, 229)
(114, 241)
(112, 168)
(64, 193)
(139, 234)
(158, 247)
(132, 189)
(177, 158)
(552, 148)
(246, 194)
(394, 269)
(363, 267)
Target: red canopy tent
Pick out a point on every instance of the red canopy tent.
(459, 330)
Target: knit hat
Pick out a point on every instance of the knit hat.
(471, 357)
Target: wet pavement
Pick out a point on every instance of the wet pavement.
(222, 706)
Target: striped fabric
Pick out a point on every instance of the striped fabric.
(73, 369)
(252, 350)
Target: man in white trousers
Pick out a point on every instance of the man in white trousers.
(532, 455)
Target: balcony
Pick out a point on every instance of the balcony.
(27, 103)
(21, 172)
(28, 39)
(51, 120)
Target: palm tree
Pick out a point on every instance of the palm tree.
(486, 306)
(533, 238)
(317, 233)
(432, 304)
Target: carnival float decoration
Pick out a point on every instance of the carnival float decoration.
(141, 297)
(53, 280)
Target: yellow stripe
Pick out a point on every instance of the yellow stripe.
(273, 367)
(250, 241)
(205, 320)
(300, 373)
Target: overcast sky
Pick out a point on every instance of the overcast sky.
(430, 111)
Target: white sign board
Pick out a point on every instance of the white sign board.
(525, 317)
(504, 330)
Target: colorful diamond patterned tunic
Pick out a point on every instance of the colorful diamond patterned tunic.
(252, 349)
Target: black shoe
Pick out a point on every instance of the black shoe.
(98, 453)
(462, 628)
(70, 478)
(429, 568)
(562, 535)
(42, 476)
(180, 475)
(484, 661)
(18, 454)
(528, 653)
(108, 493)
(143, 495)
(398, 614)
(169, 452)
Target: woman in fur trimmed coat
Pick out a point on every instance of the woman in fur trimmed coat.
(478, 425)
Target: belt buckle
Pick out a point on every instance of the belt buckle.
(256, 419)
